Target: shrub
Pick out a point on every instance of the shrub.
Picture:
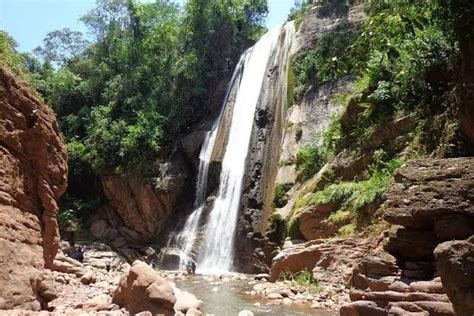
(278, 228)
(280, 198)
(309, 160)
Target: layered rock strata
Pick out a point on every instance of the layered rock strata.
(431, 202)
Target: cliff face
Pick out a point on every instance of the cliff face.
(138, 208)
(33, 176)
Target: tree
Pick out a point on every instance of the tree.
(9, 57)
(61, 45)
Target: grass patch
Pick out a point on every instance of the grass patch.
(303, 278)
(355, 195)
(347, 230)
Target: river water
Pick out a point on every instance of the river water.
(229, 298)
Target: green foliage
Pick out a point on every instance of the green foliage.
(280, 199)
(61, 45)
(8, 55)
(290, 94)
(309, 160)
(354, 196)
(303, 278)
(294, 228)
(328, 60)
(327, 8)
(332, 135)
(278, 228)
(150, 73)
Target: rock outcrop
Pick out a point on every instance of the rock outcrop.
(143, 289)
(33, 175)
(139, 207)
(331, 260)
(431, 202)
(455, 263)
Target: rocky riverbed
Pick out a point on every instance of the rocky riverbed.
(90, 288)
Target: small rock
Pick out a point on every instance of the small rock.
(245, 312)
(287, 301)
(253, 293)
(88, 278)
(274, 296)
(300, 297)
(262, 276)
(193, 312)
(99, 303)
(257, 304)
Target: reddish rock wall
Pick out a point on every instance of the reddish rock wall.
(33, 175)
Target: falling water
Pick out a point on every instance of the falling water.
(217, 249)
(187, 237)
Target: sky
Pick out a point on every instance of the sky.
(28, 21)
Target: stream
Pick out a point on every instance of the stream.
(229, 298)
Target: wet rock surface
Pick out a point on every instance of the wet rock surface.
(33, 175)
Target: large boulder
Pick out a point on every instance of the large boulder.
(33, 175)
(331, 260)
(455, 262)
(143, 289)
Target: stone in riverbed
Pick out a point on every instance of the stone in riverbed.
(102, 302)
(89, 278)
(245, 312)
(142, 289)
(262, 276)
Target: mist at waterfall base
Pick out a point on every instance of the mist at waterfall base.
(216, 249)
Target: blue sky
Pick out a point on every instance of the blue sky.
(28, 21)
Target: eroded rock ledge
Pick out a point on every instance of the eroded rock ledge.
(431, 202)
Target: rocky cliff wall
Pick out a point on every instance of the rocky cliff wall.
(139, 208)
(262, 160)
(33, 175)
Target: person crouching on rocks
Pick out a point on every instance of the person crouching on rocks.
(78, 254)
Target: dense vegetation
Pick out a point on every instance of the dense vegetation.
(404, 61)
(147, 74)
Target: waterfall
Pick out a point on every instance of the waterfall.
(217, 249)
(235, 123)
(187, 237)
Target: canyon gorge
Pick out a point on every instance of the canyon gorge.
(326, 171)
